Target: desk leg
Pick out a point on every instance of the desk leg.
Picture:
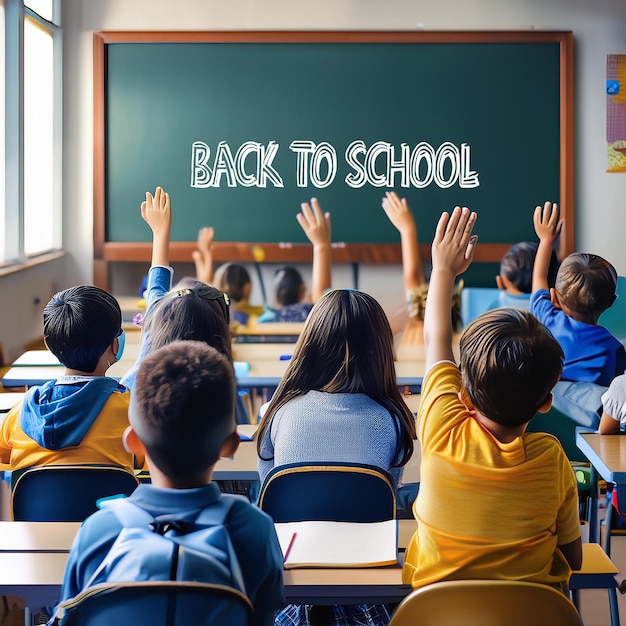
(592, 513)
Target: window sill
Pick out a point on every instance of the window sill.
(31, 262)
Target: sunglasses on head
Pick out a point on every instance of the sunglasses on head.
(215, 295)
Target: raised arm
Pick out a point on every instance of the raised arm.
(203, 256)
(316, 226)
(156, 212)
(400, 216)
(452, 253)
(548, 228)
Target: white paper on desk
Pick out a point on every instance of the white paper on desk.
(339, 544)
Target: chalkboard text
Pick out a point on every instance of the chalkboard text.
(379, 165)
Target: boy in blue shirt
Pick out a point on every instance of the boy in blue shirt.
(584, 288)
(182, 417)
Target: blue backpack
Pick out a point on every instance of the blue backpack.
(168, 548)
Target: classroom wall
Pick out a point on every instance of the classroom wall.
(598, 29)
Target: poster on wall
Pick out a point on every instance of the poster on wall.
(616, 112)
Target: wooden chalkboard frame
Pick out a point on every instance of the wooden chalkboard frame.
(106, 252)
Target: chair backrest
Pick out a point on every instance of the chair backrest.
(476, 300)
(614, 318)
(66, 493)
(340, 492)
(485, 603)
(158, 603)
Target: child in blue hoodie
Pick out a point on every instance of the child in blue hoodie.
(80, 417)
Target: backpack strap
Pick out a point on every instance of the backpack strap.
(129, 514)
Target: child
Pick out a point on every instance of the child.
(341, 379)
(289, 287)
(192, 310)
(516, 274)
(81, 416)
(231, 278)
(182, 419)
(614, 407)
(584, 288)
(339, 401)
(415, 285)
(494, 502)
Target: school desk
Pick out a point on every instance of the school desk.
(607, 455)
(34, 572)
(8, 400)
(274, 351)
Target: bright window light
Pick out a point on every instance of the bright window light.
(41, 7)
(38, 138)
(2, 136)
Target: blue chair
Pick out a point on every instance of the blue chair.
(158, 603)
(476, 300)
(614, 318)
(67, 493)
(341, 492)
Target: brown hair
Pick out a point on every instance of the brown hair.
(509, 363)
(585, 285)
(346, 346)
(183, 406)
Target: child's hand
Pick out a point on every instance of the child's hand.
(547, 223)
(314, 223)
(398, 212)
(453, 245)
(156, 211)
(203, 257)
(205, 239)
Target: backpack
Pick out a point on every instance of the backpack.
(168, 548)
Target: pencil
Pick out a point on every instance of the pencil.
(293, 537)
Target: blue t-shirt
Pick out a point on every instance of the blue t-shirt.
(592, 354)
(251, 532)
(159, 283)
(297, 312)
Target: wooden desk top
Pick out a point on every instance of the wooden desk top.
(37, 575)
(607, 453)
(37, 536)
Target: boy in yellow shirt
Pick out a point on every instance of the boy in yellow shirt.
(494, 502)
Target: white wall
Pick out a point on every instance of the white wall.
(599, 28)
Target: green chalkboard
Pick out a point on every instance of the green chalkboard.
(241, 128)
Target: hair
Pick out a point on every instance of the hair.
(346, 346)
(79, 324)
(192, 310)
(183, 406)
(585, 285)
(288, 283)
(232, 278)
(509, 362)
(517, 265)
(417, 304)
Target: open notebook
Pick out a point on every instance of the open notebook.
(338, 544)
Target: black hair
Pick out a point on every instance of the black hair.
(288, 282)
(79, 324)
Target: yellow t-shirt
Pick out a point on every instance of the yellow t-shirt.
(101, 444)
(486, 509)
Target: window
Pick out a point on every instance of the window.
(2, 134)
(31, 222)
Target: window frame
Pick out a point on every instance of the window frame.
(16, 14)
